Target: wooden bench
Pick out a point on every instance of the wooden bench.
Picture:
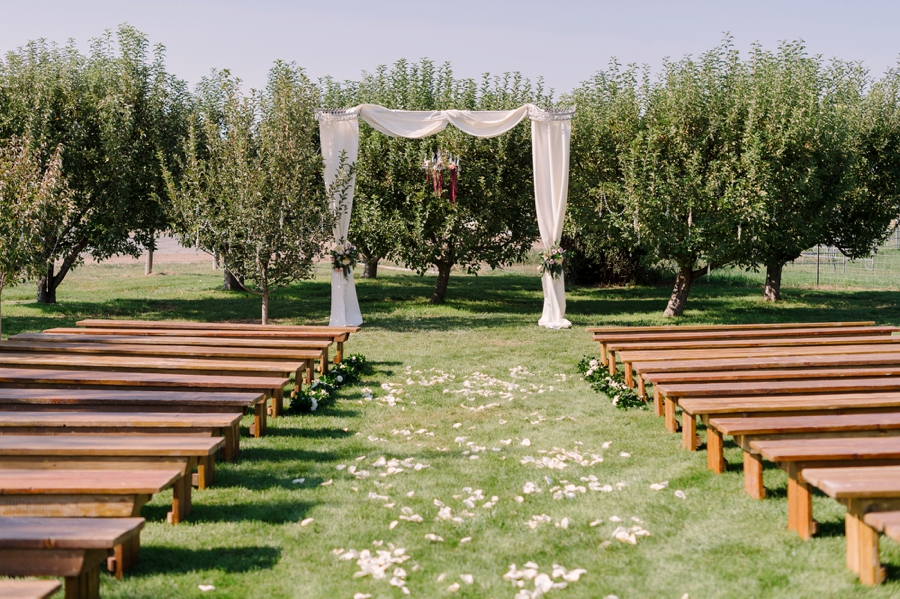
(292, 348)
(28, 589)
(272, 387)
(235, 360)
(84, 494)
(868, 493)
(73, 548)
(606, 339)
(136, 400)
(210, 424)
(797, 455)
(600, 333)
(728, 393)
(155, 364)
(639, 363)
(662, 380)
(888, 524)
(339, 338)
(744, 430)
(114, 452)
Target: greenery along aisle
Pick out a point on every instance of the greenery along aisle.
(245, 535)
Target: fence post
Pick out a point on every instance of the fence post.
(817, 265)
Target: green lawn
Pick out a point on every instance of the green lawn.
(476, 368)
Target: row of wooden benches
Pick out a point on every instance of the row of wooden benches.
(818, 399)
(98, 418)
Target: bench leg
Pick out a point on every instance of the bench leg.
(870, 570)
(125, 555)
(753, 476)
(277, 402)
(259, 420)
(800, 506)
(688, 431)
(671, 422)
(612, 363)
(86, 585)
(340, 352)
(181, 499)
(603, 354)
(206, 472)
(642, 388)
(715, 452)
(308, 374)
(851, 530)
(629, 375)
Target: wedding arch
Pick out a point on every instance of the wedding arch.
(550, 133)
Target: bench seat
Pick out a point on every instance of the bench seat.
(73, 548)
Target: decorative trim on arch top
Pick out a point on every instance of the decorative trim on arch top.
(340, 114)
(539, 114)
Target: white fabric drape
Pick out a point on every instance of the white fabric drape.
(340, 132)
(341, 137)
(550, 143)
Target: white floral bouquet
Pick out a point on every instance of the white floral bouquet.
(344, 256)
(552, 261)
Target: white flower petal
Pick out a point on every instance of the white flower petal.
(307, 521)
(206, 587)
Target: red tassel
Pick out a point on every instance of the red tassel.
(439, 183)
(452, 185)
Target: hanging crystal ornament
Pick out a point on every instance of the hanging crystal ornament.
(434, 167)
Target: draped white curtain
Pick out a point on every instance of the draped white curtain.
(340, 137)
(340, 132)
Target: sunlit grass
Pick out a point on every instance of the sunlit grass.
(244, 535)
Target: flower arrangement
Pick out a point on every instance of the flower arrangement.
(613, 386)
(552, 261)
(344, 256)
(322, 390)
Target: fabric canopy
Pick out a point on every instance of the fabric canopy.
(551, 132)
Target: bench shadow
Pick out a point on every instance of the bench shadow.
(269, 511)
(310, 433)
(156, 559)
(830, 529)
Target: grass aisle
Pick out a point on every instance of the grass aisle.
(477, 378)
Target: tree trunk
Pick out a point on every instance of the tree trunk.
(231, 282)
(148, 266)
(265, 306)
(371, 269)
(46, 293)
(678, 300)
(440, 289)
(772, 292)
(1, 310)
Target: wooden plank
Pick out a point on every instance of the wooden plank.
(837, 360)
(66, 533)
(109, 445)
(887, 523)
(174, 365)
(188, 351)
(847, 483)
(220, 343)
(138, 379)
(772, 425)
(751, 334)
(774, 404)
(215, 334)
(139, 398)
(743, 388)
(771, 374)
(834, 448)
(729, 327)
(101, 482)
(240, 326)
(28, 589)
(77, 420)
(711, 350)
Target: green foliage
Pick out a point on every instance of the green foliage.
(252, 190)
(611, 385)
(116, 111)
(34, 202)
(322, 391)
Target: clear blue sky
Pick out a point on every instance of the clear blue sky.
(566, 41)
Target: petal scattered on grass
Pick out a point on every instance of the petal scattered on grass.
(307, 521)
(467, 578)
(659, 486)
(206, 587)
(680, 494)
(298, 481)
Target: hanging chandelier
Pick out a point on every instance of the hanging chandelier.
(434, 167)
